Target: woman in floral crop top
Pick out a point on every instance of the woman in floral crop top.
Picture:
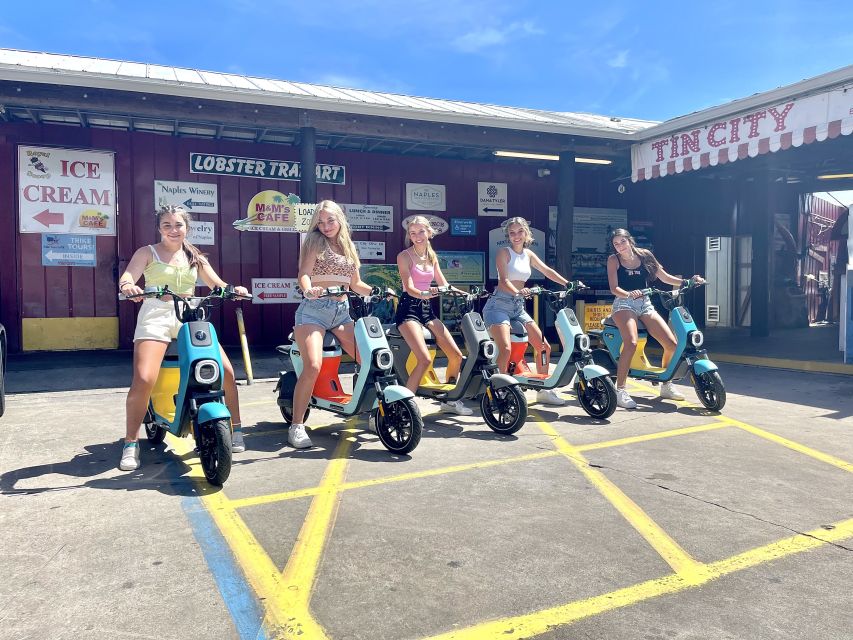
(328, 258)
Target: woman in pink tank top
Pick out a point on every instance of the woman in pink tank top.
(418, 270)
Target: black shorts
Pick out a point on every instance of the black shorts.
(410, 308)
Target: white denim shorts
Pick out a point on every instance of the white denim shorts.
(156, 321)
(640, 306)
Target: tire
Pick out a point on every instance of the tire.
(214, 451)
(285, 397)
(506, 411)
(710, 389)
(400, 429)
(602, 358)
(155, 433)
(598, 399)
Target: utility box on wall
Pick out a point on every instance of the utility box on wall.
(718, 273)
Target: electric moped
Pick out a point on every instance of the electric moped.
(188, 397)
(395, 416)
(593, 386)
(689, 357)
(502, 402)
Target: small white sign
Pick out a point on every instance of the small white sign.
(491, 199)
(369, 217)
(425, 197)
(201, 232)
(370, 250)
(275, 291)
(497, 240)
(195, 197)
(439, 225)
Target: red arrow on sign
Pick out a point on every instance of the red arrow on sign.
(48, 217)
(263, 295)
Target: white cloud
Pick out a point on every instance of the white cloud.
(620, 60)
(489, 37)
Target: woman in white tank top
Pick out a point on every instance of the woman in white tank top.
(514, 265)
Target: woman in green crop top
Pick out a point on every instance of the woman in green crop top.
(177, 263)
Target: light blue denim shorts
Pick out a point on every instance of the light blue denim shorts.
(640, 306)
(325, 312)
(502, 307)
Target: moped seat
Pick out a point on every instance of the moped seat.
(330, 343)
(516, 328)
(608, 322)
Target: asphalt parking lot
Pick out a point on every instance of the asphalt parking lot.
(663, 523)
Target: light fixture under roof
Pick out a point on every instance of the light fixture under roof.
(545, 156)
(835, 176)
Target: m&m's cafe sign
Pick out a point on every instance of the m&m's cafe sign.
(745, 135)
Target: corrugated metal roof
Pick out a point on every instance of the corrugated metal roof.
(31, 66)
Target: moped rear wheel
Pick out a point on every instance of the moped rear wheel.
(710, 389)
(214, 450)
(401, 426)
(285, 397)
(154, 432)
(597, 396)
(506, 410)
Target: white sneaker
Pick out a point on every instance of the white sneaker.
(456, 407)
(129, 457)
(549, 396)
(297, 437)
(237, 444)
(624, 400)
(668, 392)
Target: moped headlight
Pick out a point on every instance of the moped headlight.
(206, 371)
(696, 338)
(582, 342)
(383, 359)
(490, 349)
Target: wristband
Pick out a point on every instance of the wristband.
(685, 283)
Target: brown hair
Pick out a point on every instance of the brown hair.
(195, 257)
(647, 258)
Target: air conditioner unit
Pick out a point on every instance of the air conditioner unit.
(718, 273)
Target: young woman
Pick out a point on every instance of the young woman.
(507, 303)
(174, 262)
(418, 266)
(630, 270)
(328, 258)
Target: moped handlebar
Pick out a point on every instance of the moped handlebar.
(189, 308)
(690, 284)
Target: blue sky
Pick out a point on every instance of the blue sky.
(651, 60)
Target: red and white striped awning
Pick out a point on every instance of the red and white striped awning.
(746, 134)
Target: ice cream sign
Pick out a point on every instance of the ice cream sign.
(66, 191)
(273, 211)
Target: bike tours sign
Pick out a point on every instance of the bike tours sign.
(72, 250)
(221, 165)
(272, 211)
(66, 191)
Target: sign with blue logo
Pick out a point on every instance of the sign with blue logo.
(68, 250)
(463, 226)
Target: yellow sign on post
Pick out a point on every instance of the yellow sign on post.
(593, 314)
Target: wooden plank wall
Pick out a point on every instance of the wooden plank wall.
(29, 290)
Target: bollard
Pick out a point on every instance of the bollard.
(244, 345)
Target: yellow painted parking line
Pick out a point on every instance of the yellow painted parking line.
(667, 548)
(527, 625)
(358, 484)
(790, 444)
(651, 436)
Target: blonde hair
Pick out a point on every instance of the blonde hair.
(195, 257)
(315, 242)
(528, 240)
(424, 222)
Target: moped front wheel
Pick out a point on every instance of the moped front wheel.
(504, 409)
(214, 450)
(154, 432)
(597, 396)
(399, 425)
(710, 389)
